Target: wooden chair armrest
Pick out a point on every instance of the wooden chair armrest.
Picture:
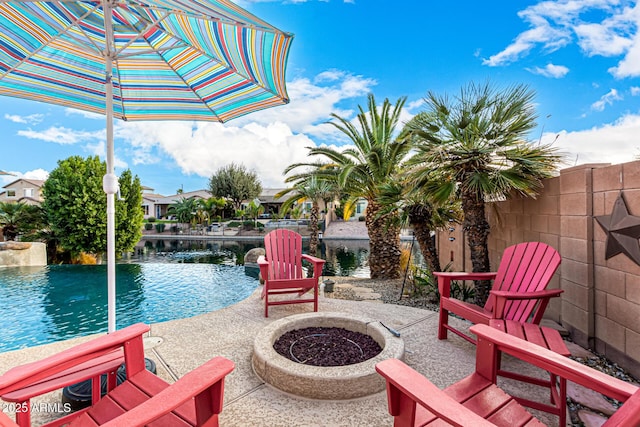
(452, 275)
(445, 278)
(5, 421)
(548, 293)
(404, 383)
(317, 264)
(199, 382)
(313, 259)
(263, 264)
(100, 365)
(501, 298)
(35, 372)
(554, 363)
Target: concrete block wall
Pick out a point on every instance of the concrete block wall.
(617, 280)
(600, 305)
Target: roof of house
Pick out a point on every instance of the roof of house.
(200, 194)
(35, 182)
(268, 195)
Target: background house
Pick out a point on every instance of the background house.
(23, 190)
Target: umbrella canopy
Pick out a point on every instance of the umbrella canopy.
(141, 60)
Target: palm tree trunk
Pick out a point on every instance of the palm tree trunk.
(476, 227)
(313, 223)
(420, 218)
(384, 245)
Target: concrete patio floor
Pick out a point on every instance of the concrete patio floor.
(179, 346)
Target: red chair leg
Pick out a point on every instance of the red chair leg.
(443, 320)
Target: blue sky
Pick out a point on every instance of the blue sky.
(581, 57)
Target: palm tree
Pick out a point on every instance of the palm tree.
(254, 210)
(184, 209)
(362, 169)
(478, 139)
(314, 189)
(15, 217)
(417, 209)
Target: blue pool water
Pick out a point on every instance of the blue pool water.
(40, 305)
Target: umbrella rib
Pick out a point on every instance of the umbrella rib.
(64, 31)
(148, 23)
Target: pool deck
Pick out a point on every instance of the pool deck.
(179, 346)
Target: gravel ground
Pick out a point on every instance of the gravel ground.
(389, 291)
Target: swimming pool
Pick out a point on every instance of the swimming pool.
(39, 305)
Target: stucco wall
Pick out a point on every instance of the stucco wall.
(33, 255)
(600, 305)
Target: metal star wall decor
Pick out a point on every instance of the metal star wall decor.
(623, 231)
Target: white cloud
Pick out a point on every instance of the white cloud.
(32, 119)
(312, 102)
(610, 143)
(84, 114)
(599, 27)
(40, 174)
(203, 148)
(635, 90)
(62, 135)
(551, 70)
(606, 99)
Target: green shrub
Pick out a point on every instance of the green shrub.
(160, 227)
(234, 224)
(148, 226)
(361, 218)
(151, 219)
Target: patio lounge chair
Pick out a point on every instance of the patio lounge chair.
(281, 269)
(518, 291)
(477, 401)
(195, 399)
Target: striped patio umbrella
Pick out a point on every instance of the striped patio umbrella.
(141, 60)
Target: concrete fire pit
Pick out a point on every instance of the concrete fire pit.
(332, 383)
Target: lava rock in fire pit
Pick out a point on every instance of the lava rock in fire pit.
(321, 346)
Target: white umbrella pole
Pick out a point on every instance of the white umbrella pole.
(110, 181)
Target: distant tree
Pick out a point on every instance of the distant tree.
(129, 214)
(235, 183)
(184, 209)
(212, 206)
(75, 207)
(17, 218)
(254, 209)
(314, 189)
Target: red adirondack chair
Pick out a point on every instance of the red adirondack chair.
(281, 269)
(518, 291)
(195, 399)
(476, 400)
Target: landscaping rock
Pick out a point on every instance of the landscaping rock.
(577, 351)
(14, 246)
(589, 398)
(591, 419)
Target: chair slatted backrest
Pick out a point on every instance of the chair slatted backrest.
(525, 267)
(283, 250)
